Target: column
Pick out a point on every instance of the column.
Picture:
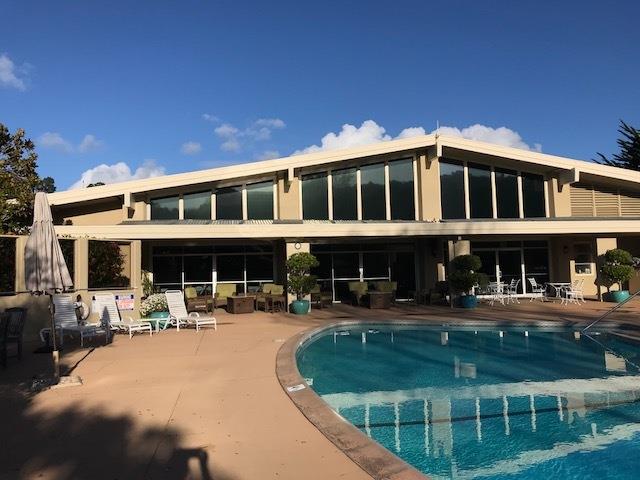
(602, 245)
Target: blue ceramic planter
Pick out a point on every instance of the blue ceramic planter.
(616, 296)
(300, 307)
(158, 315)
(468, 301)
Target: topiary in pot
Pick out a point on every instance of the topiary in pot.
(617, 269)
(300, 282)
(464, 277)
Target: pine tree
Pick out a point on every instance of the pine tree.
(629, 143)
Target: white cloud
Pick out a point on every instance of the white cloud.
(10, 74)
(501, 136)
(235, 139)
(55, 141)
(118, 172)
(207, 117)
(370, 132)
(268, 155)
(89, 143)
(190, 148)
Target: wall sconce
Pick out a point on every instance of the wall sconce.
(297, 245)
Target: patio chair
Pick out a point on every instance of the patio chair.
(497, 292)
(223, 290)
(358, 292)
(109, 314)
(66, 322)
(512, 291)
(178, 312)
(321, 298)
(11, 328)
(574, 293)
(388, 287)
(537, 290)
(195, 302)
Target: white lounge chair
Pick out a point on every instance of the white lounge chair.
(108, 311)
(66, 322)
(179, 315)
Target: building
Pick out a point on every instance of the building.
(394, 210)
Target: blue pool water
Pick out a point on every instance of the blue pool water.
(515, 403)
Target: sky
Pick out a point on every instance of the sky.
(116, 90)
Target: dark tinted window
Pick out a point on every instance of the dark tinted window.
(197, 268)
(533, 195)
(452, 190)
(229, 203)
(373, 193)
(345, 196)
(197, 206)
(164, 208)
(259, 267)
(8, 259)
(375, 264)
(260, 201)
(230, 268)
(346, 265)
(507, 193)
(167, 269)
(401, 190)
(315, 197)
(480, 198)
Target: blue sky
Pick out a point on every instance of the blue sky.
(108, 82)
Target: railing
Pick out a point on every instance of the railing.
(610, 311)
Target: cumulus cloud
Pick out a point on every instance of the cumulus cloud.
(234, 139)
(11, 75)
(55, 141)
(268, 155)
(118, 172)
(190, 148)
(501, 136)
(207, 117)
(370, 132)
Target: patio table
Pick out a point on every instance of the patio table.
(558, 287)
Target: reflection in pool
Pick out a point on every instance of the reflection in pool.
(460, 403)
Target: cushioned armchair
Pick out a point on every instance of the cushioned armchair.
(270, 296)
(223, 290)
(388, 287)
(358, 291)
(321, 298)
(195, 302)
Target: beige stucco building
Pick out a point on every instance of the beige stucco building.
(394, 210)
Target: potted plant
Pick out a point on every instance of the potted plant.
(464, 277)
(154, 306)
(617, 269)
(300, 281)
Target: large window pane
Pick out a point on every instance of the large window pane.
(164, 208)
(197, 268)
(229, 203)
(375, 264)
(533, 195)
(401, 190)
(323, 270)
(345, 196)
(373, 193)
(197, 206)
(8, 259)
(507, 193)
(452, 190)
(315, 197)
(167, 269)
(259, 267)
(260, 201)
(68, 252)
(346, 265)
(480, 198)
(109, 264)
(536, 265)
(230, 268)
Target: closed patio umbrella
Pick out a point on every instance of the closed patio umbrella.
(45, 269)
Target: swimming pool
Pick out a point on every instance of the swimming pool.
(500, 403)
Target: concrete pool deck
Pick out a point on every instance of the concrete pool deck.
(202, 404)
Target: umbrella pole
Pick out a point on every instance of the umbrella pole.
(54, 348)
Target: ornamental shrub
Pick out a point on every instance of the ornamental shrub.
(617, 268)
(154, 303)
(300, 282)
(464, 276)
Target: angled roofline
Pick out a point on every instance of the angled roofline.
(326, 157)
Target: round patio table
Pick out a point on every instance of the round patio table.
(558, 287)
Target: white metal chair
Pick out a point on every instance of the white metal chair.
(179, 315)
(108, 311)
(574, 293)
(496, 290)
(537, 290)
(66, 322)
(512, 291)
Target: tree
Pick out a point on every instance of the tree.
(299, 267)
(106, 263)
(617, 268)
(629, 143)
(19, 181)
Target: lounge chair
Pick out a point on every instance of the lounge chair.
(178, 312)
(66, 321)
(109, 313)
